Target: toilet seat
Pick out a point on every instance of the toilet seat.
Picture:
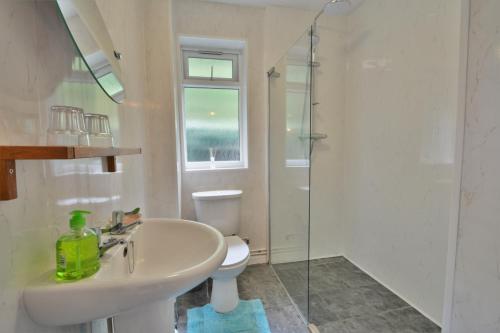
(238, 255)
(237, 251)
(224, 288)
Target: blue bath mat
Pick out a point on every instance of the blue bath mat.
(248, 317)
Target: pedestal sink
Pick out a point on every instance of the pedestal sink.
(138, 280)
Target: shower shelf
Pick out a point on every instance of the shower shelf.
(9, 155)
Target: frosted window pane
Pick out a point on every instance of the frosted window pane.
(297, 74)
(297, 122)
(212, 124)
(202, 67)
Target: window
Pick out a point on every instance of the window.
(213, 109)
(297, 113)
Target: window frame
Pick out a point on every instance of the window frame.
(208, 54)
(238, 82)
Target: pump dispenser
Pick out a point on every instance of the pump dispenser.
(78, 251)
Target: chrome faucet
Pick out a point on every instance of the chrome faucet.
(117, 226)
(105, 246)
(117, 217)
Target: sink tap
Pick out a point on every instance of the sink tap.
(117, 226)
(117, 217)
(105, 246)
(121, 228)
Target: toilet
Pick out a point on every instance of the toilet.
(221, 210)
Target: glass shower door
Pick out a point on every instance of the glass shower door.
(289, 169)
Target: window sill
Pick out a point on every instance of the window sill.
(219, 169)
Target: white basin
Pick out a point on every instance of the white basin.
(171, 257)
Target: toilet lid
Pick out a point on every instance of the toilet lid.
(237, 251)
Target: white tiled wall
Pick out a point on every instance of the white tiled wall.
(401, 119)
(36, 72)
(476, 291)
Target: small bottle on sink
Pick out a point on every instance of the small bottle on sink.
(78, 251)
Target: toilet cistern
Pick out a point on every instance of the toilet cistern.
(221, 210)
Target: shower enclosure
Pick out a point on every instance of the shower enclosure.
(289, 168)
(363, 113)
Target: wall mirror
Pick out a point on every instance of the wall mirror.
(88, 31)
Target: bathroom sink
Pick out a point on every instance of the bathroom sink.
(164, 258)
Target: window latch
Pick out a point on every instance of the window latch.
(211, 52)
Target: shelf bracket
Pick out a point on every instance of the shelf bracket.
(109, 164)
(8, 183)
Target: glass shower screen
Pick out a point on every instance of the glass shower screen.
(289, 169)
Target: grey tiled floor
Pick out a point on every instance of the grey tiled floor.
(257, 281)
(343, 299)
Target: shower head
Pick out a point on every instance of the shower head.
(335, 6)
(335, 1)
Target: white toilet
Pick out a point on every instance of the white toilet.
(221, 210)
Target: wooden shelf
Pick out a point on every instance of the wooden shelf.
(9, 155)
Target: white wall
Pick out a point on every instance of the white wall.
(282, 28)
(476, 289)
(160, 148)
(242, 23)
(35, 74)
(401, 114)
(35, 70)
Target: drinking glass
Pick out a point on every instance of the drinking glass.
(66, 127)
(99, 130)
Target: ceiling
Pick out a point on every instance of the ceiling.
(302, 4)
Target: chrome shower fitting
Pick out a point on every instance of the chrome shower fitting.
(331, 2)
(272, 73)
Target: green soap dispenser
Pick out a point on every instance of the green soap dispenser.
(78, 251)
